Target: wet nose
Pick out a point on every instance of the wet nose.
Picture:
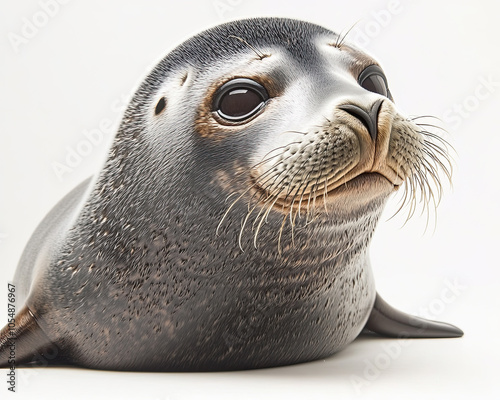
(368, 118)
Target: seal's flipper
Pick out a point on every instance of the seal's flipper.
(386, 320)
(22, 342)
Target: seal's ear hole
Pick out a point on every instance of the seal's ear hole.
(160, 106)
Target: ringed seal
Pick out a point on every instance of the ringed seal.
(229, 227)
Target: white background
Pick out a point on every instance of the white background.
(71, 76)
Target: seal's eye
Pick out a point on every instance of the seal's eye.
(373, 79)
(239, 99)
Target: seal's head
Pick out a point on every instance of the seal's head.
(277, 117)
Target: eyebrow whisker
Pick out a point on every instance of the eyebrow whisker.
(259, 54)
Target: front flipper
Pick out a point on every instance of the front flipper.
(23, 341)
(386, 320)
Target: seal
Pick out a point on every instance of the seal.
(229, 227)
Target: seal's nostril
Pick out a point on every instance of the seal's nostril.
(369, 119)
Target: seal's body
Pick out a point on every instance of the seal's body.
(229, 227)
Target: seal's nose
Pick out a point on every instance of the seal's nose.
(369, 119)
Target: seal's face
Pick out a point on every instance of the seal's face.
(309, 122)
(325, 128)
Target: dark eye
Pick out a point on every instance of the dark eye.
(239, 99)
(373, 79)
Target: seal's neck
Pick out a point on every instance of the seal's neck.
(166, 221)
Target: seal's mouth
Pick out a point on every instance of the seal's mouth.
(366, 181)
(360, 189)
(363, 180)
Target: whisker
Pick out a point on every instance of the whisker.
(262, 208)
(263, 218)
(432, 126)
(423, 185)
(341, 39)
(266, 159)
(279, 235)
(414, 118)
(302, 194)
(259, 54)
(243, 227)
